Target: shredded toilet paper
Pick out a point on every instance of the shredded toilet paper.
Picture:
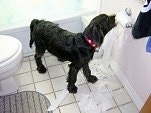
(97, 71)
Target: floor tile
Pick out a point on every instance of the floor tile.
(40, 77)
(114, 83)
(121, 96)
(56, 71)
(80, 78)
(25, 67)
(82, 90)
(51, 97)
(25, 59)
(114, 110)
(99, 85)
(29, 87)
(56, 111)
(97, 72)
(90, 103)
(24, 79)
(129, 108)
(32, 57)
(113, 104)
(106, 97)
(34, 66)
(69, 99)
(71, 108)
(33, 81)
(47, 54)
(51, 61)
(80, 107)
(66, 67)
(104, 93)
(59, 83)
(110, 71)
(44, 87)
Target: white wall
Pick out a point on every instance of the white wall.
(112, 7)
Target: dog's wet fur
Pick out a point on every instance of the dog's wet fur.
(69, 46)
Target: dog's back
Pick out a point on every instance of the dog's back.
(39, 28)
(47, 35)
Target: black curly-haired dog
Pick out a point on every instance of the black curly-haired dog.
(78, 48)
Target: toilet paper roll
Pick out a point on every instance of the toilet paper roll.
(124, 19)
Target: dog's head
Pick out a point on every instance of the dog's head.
(99, 27)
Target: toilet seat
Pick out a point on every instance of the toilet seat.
(12, 48)
(8, 47)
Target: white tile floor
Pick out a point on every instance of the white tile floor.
(54, 80)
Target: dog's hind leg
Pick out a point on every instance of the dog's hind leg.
(72, 78)
(40, 67)
(87, 73)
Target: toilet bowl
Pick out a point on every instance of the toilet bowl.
(10, 62)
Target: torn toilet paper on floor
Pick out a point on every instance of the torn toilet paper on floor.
(97, 71)
(97, 101)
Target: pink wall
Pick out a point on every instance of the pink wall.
(135, 64)
(131, 58)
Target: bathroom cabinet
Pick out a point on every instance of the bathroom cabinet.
(147, 106)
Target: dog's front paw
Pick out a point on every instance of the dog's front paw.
(41, 69)
(72, 89)
(92, 79)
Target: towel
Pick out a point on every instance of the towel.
(148, 45)
(142, 26)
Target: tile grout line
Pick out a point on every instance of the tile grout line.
(32, 76)
(111, 91)
(51, 83)
(61, 90)
(50, 78)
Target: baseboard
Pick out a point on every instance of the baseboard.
(126, 85)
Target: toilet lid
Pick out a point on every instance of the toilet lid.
(8, 47)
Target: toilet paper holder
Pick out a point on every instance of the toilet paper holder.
(124, 18)
(129, 13)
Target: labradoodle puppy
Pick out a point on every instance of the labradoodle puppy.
(78, 48)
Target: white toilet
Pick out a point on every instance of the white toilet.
(10, 62)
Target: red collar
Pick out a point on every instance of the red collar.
(91, 43)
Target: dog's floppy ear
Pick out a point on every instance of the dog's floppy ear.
(112, 21)
(98, 35)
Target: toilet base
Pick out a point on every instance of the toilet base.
(8, 86)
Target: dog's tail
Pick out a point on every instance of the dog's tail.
(33, 23)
